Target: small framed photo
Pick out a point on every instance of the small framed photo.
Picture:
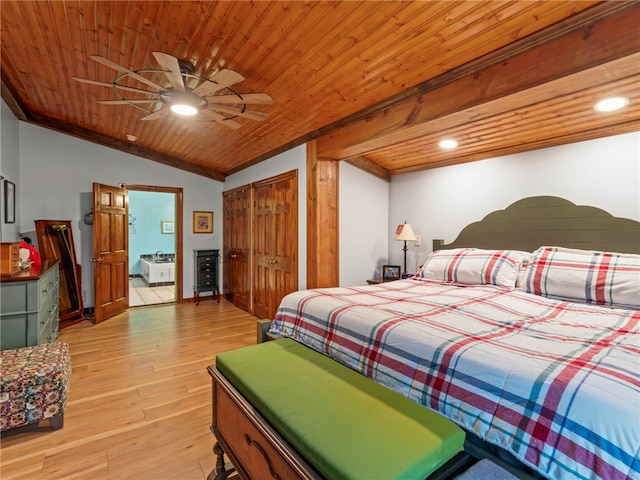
(390, 272)
(202, 222)
(9, 202)
(167, 226)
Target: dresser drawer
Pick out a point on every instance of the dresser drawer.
(48, 320)
(207, 262)
(48, 288)
(252, 450)
(206, 279)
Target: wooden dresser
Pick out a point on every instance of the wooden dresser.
(29, 306)
(205, 273)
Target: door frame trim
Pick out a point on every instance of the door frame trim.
(179, 228)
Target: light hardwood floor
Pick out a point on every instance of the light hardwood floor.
(139, 405)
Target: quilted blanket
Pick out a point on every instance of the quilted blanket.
(555, 383)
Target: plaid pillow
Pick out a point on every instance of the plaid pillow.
(601, 278)
(473, 266)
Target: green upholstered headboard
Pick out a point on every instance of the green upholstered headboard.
(536, 221)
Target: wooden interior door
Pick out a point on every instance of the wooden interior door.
(110, 250)
(237, 246)
(275, 242)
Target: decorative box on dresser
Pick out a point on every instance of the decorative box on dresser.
(29, 306)
(9, 258)
(205, 273)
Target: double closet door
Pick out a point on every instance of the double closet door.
(261, 243)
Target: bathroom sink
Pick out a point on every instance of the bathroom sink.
(163, 260)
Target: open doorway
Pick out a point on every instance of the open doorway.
(154, 245)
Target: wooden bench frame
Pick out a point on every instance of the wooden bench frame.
(277, 459)
(271, 446)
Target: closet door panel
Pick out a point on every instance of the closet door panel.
(263, 231)
(285, 240)
(242, 249)
(237, 246)
(227, 245)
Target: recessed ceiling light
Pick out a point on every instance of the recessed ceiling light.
(610, 104)
(448, 144)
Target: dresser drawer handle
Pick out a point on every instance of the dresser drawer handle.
(264, 454)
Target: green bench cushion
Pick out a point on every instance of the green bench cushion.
(344, 424)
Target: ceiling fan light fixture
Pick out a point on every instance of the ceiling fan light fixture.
(611, 104)
(184, 109)
(186, 104)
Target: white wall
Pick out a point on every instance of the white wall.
(57, 173)
(438, 203)
(293, 159)
(9, 169)
(363, 224)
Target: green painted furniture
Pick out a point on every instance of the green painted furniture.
(282, 410)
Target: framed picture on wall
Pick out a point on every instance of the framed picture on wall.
(202, 222)
(9, 202)
(167, 226)
(390, 272)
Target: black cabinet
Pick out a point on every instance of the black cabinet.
(205, 273)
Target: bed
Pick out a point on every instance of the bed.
(532, 348)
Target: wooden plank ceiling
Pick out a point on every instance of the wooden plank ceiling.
(378, 83)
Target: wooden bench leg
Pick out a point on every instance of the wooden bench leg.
(57, 421)
(219, 472)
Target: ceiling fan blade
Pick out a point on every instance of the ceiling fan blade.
(125, 102)
(105, 84)
(220, 119)
(223, 79)
(252, 114)
(170, 63)
(246, 98)
(156, 115)
(131, 73)
(227, 77)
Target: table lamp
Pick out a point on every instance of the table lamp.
(404, 233)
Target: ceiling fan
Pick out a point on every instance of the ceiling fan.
(185, 94)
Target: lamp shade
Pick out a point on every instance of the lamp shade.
(405, 232)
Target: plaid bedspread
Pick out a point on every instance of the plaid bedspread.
(555, 383)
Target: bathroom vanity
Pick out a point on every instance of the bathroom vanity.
(158, 270)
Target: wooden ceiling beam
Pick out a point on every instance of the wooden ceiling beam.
(368, 166)
(598, 35)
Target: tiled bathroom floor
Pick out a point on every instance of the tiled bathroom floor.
(141, 294)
